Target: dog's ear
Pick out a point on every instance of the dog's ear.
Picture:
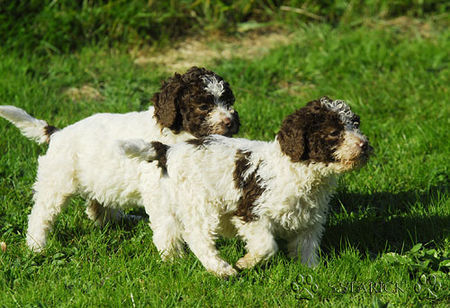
(167, 103)
(291, 137)
(296, 128)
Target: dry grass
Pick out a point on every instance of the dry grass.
(85, 92)
(203, 51)
(406, 25)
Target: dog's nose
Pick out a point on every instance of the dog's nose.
(227, 122)
(365, 147)
(232, 123)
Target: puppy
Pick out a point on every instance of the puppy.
(258, 191)
(81, 157)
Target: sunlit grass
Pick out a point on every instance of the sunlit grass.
(396, 81)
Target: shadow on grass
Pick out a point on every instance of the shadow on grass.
(386, 221)
(81, 228)
(372, 223)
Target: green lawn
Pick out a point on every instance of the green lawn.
(387, 237)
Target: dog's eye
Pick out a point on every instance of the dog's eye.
(334, 133)
(203, 107)
(355, 121)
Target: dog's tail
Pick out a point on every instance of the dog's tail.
(37, 130)
(142, 150)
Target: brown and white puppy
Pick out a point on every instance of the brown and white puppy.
(194, 104)
(198, 102)
(259, 191)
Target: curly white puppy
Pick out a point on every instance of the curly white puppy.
(83, 157)
(259, 191)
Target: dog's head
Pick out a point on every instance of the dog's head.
(325, 131)
(199, 102)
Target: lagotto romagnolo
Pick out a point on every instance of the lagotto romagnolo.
(83, 158)
(258, 191)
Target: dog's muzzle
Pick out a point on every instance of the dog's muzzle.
(232, 124)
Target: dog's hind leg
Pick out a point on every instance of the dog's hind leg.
(41, 220)
(47, 205)
(54, 185)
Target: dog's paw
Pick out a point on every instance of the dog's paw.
(34, 245)
(171, 255)
(293, 254)
(311, 261)
(226, 272)
(246, 261)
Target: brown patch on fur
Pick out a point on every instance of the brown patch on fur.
(161, 151)
(199, 142)
(183, 104)
(166, 103)
(311, 134)
(50, 130)
(241, 166)
(251, 190)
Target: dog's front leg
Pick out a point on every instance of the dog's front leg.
(309, 242)
(203, 246)
(293, 246)
(260, 243)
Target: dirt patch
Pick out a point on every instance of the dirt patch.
(203, 51)
(295, 88)
(86, 92)
(407, 25)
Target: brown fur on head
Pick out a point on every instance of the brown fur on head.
(199, 102)
(324, 131)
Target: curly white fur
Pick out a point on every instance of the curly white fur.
(341, 108)
(82, 156)
(29, 126)
(213, 86)
(197, 199)
(190, 189)
(85, 155)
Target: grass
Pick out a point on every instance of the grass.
(48, 26)
(388, 227)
